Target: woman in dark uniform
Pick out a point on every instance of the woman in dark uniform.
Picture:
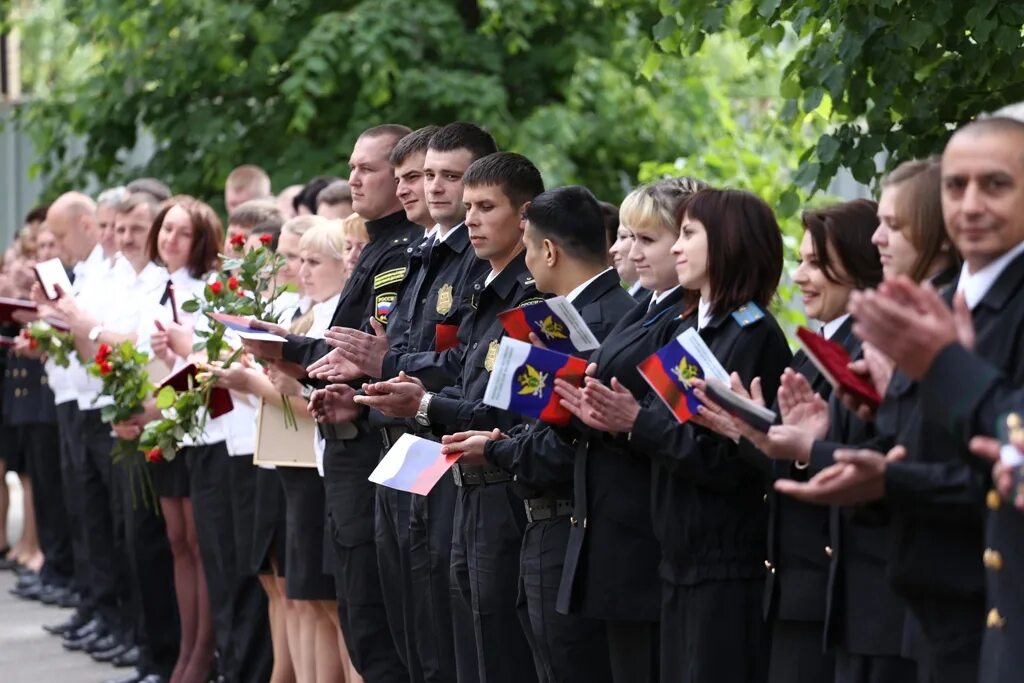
(611, 565)
(707, 500)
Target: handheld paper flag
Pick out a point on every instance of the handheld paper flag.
(671, 370)
(413, 464)
(240, 324)
(555, 321)
(523, 380)
(446, 337)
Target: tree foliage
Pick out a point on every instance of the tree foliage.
(894, 75)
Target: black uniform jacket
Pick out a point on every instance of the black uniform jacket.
(460, 406)
(798, 533)
(708, 500)
(27, 398)
(439, 277)
(371, 290)
(611, 562)
(541, 455)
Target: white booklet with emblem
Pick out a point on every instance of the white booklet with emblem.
(555, 321)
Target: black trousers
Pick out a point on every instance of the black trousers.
(391, 530)
(209, 485)
(852, 668)
(350, 501)
(797, 652)
(104, 525)
(633, 648)
(254, 652)
(488, 535)
(72, 457)
(442, 622)
(151, 567)
(944, 636)
(566, 648)
(714, 631)
(43, 463)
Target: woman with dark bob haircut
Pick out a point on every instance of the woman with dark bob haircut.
(707, 501)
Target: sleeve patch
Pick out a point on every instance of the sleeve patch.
(747, 314)
(388, 277)
(383, 304)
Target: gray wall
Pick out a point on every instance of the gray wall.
(18, 193)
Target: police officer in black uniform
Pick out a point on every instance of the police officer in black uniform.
(352, 452)
(566, 258)
(488, 521)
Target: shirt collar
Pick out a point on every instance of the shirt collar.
(441, 238)
(571, 296)
(658, 298)
(634, 288)
(829, 329)
(975, 286)
(703, 313)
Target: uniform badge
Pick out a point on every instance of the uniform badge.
(747, 314)
(492, 355)
(383, 305)
(444, 299)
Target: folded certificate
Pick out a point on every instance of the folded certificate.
(220, 398)
(523, 380)
(555, 321)
(280, 445)
(757, 416)
(241, 326)
(9, 306)
(671, 370)
(413, 464)
(831, 360)
(51, 275)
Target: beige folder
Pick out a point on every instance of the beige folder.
(283, 446)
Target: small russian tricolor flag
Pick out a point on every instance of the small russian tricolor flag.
(413, 464)
(523, 380)
(555, 321)
(671, 370)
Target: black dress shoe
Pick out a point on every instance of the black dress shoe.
(51, 595)
(84, 642)
(70, 599)
(111, 654)
(129, 657)
(134, 678)
(107, 642)
(153, 678)
(30, 590)
(89, 627)
(77, 621)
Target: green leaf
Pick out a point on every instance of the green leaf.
(190, 306)
(827, 148)
(165, 398)
(665, 27)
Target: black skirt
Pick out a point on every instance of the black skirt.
(268, 534)
(12, 450)
(304, 535)
(170, 477)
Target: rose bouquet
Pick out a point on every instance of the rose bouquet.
(57, 344)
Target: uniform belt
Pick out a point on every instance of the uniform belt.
(478, 475)
(391, 435)
(538, 509)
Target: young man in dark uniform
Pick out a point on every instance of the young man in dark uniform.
(414, 532)
(566, 253)
(353, 450)
(488, 525)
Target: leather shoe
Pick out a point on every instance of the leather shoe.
(77, 621)
(107, 642)
(134, 678)
(129, 657)
(69, 600)
(89, 627)
(111, 654)
(51, 595)
(84, 642)
(153, 678)
(29, 590)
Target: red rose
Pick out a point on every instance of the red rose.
(154, 455)
(103, 352)
(232, 282)
(237, 241)
(32, 342)
(106, 368)
(266, 239)
(216, 287)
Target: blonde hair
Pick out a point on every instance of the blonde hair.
(325, 237)
(250, 178)
(658, 205)
(354, 227)
(299, 225)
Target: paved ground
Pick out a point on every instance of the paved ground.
(27, 653)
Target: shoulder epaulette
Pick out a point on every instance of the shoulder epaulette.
(747, 314)
(388, 277)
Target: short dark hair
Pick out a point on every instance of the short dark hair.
(336, 193)
(412, 143)
(152, 186)
(463, 135)
(308, 194)
(842, 232)
(133, 200)
(744, 246)
(37, 214)
(207, 235)
(394, 130)
(610, 213)
(272, 228)
(516, 175)
(572, 218)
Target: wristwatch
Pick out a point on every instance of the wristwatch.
(95, 332)
(307, 391)
(421, 414)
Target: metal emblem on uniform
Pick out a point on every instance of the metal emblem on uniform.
(492, 355)
(444, 299)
